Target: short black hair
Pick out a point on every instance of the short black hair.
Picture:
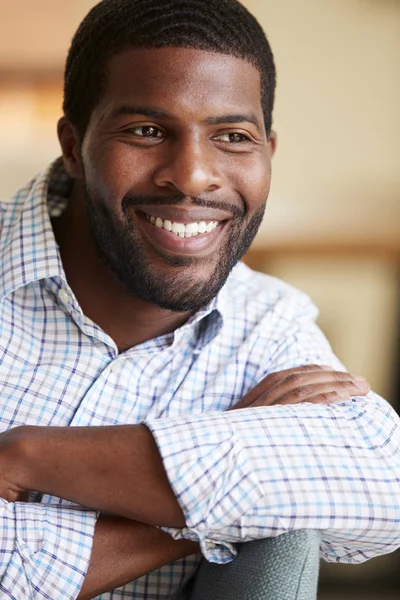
(223, 26)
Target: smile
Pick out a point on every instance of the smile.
(183, 230)
(183, 236)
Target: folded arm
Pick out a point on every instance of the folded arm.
(240, 475)
(66, 550)
(53, 551)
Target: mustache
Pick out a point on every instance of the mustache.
(132, 200)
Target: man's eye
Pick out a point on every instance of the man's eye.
(233, 138)
(146, 131)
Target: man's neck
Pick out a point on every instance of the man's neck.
(127, 319)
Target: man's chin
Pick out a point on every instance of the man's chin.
(184, 262)
(180, 292)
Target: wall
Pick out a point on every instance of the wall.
(336, 172)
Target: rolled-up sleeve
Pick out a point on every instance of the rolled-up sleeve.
(260, 472)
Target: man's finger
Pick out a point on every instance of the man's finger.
(295, 385)
(298, 383)
(340, 390)
(277, 376)
(330, 398)
(270, 381)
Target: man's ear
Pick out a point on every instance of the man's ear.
(70, 145)
(272, 142)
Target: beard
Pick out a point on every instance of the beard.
(177, 286)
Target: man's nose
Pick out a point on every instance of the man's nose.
(190, 168)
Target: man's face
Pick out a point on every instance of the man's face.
(177, 171)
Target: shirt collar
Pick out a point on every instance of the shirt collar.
(28, 248)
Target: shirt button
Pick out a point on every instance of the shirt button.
(113, 367)
(64, 296)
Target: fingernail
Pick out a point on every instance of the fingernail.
(360, 382)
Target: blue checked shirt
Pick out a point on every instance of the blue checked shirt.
(237, 475)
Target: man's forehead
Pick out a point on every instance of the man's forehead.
(182, 76)
(176, 55)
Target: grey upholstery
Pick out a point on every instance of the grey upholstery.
(282, 568)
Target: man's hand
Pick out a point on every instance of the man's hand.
(311, 383)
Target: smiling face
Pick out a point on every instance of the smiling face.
(176, 169)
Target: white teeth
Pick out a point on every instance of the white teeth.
(183, 230)
(191, 228)
(178, 228)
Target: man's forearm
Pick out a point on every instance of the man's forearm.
(114, 469)
(124, 550)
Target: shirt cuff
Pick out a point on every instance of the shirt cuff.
(205, 463)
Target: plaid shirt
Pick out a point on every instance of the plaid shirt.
(238, 475)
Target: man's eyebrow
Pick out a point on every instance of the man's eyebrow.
(239, 118)
(126, 109)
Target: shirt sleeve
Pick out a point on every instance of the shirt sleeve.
(45, 550)
(260, 472)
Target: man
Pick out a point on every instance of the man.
(124, 306)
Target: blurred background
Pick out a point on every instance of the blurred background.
(332, 226)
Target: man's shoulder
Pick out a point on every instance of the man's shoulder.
(11, 209)
(255, 296)
(23, 250)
